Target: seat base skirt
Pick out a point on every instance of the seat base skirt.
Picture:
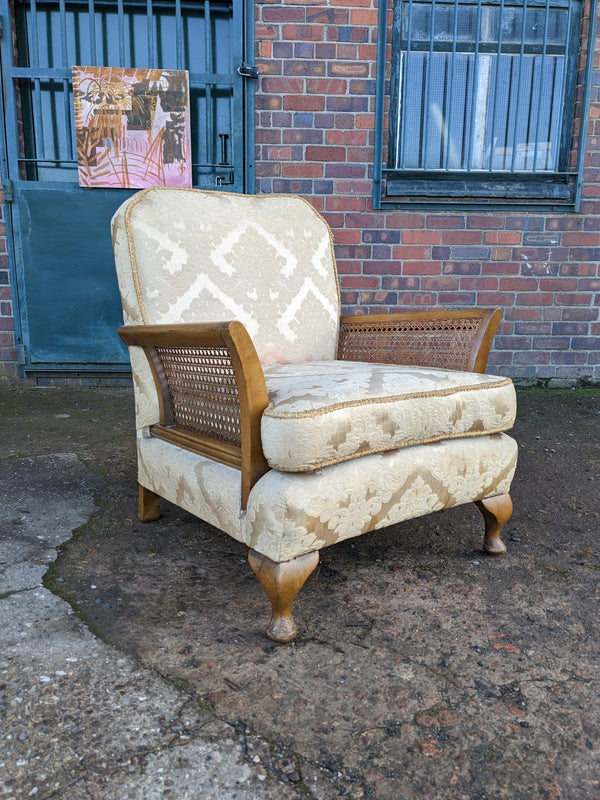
(289, 514)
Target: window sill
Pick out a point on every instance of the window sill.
(523, 190)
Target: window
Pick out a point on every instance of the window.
(481, 101)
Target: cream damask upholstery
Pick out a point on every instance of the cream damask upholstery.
(324, 412)
(265, 429)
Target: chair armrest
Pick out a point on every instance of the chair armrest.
(211, 390)
(459, 340)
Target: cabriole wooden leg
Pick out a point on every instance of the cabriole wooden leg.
(148, 504)
(496, 511)
(282, 582)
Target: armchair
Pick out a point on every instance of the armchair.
(262, 412)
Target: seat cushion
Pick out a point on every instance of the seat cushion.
(324, 412)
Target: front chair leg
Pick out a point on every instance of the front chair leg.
(496, 511)
(148, 504)
(282, 582)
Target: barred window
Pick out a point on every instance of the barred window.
(480, 101)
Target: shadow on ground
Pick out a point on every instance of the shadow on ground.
(424, 668)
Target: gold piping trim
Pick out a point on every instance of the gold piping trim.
(141, 195)
(402, 446)
(373, 400)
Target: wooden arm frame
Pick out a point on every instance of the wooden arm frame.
(249, 402)
(459, 340)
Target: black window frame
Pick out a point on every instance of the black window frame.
(401, 185)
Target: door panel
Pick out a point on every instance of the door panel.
(70, 285)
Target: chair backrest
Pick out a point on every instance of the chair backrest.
(185, 255)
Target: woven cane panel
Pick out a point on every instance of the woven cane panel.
(444, 343)
(203, 391)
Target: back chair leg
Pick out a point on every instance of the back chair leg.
(148, 504)
(282, 582)
(496, 511)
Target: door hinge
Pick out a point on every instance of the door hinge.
(21, 355)
(9, 191)
(1, 27)
(247, 71)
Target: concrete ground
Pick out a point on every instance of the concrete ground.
(133, 660)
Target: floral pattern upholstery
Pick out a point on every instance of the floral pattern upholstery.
(289, 514)
(330, 411)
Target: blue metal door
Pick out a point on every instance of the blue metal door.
(67, 294)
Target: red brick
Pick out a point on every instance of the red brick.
(517, 284)
(410, 252)
(502, 237)
(302, 33)
(363, 17)
(283, 14)
(485, 222)
(580, 239)
(371, 220)
(346, 203)
(439, 222)
(346, 236)
(404, 221)
(573, 299)
(461, 237)
(500, 268)
(303, 170)
(359, 282)
(495, 298)
(421, 237)
(558, 284)
(349, 137)
(476, 282)
(535, 299)
(422, 268)
(298, 102)
(326, 86)
(523, 313)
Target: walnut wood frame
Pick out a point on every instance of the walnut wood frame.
(252, 391)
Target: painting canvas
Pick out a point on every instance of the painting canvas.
(132, 127)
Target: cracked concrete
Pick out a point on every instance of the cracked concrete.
(79, 718)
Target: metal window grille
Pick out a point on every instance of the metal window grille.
(481, 99)
(53, 35)
(480, 86)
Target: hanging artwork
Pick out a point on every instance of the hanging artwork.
(132, 127)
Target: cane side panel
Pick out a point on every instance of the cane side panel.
(454, 340)
(202, 391)
(211, 391)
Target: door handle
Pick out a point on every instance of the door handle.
(247, 71)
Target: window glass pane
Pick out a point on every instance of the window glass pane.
(479, 87)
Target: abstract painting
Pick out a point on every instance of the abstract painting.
(132, 127)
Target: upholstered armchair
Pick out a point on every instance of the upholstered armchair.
(262, 412)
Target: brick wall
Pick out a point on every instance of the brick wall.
(8, 351)
(314, 137)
